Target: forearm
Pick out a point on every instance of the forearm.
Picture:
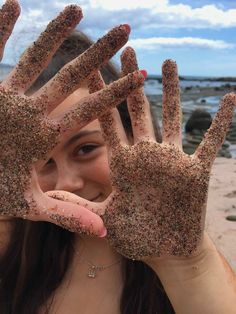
(201, 284)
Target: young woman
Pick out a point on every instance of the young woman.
(46, 269)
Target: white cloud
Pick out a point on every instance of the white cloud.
(141, 14)
(127, 5)
(62, 4)
(156, 14)
(181, 15)
(184, 42)
(102, 15)
(35, 13)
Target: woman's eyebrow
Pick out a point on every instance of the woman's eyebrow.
(79, 135)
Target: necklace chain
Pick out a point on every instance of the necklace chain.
(93, 269)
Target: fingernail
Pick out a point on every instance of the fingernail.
(103, 233)
(144, 73)
(127, 28)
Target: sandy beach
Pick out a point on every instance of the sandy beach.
(222, 203)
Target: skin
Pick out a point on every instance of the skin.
(79, 165)
(20, 193)
(83, 154)
(9, 11)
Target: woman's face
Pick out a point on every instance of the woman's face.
(79, 163)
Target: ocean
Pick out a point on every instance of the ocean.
(194, 92)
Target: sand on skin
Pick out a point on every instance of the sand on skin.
(221, 203)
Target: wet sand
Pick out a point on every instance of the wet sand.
(222, 203)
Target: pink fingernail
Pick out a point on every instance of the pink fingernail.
(103, 233)
(144, 73)
(127, 28)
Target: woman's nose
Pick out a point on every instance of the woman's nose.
(69, 179)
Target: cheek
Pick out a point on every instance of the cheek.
(99, 171)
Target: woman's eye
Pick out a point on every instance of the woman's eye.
(48, 166)
(85, 149)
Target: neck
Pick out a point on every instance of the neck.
(91, 251)
(95, 295)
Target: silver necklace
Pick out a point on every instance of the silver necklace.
(94, 269)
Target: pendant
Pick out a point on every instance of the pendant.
(92, 272)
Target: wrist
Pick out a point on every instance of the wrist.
(193, 263)
(201, 283)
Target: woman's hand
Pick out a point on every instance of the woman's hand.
(28, 134)
(157, 207)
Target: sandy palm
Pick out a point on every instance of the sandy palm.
(157, 207)
(27, 134)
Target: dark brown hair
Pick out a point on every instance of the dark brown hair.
(39, 253)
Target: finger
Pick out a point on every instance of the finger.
(37, 56)
(172, 114)
(138, 104)
(97, 104)
(110, 122)
(9, 14)
(69, 78)
(95, 82)
(73, 217)
(215, 135)
(65, 196)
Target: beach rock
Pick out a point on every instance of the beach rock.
(191, 143)
(193, 139)
(200, 119)
(231, 217)
(231, 135)
(226, 144)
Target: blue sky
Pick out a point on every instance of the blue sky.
(200, 35)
